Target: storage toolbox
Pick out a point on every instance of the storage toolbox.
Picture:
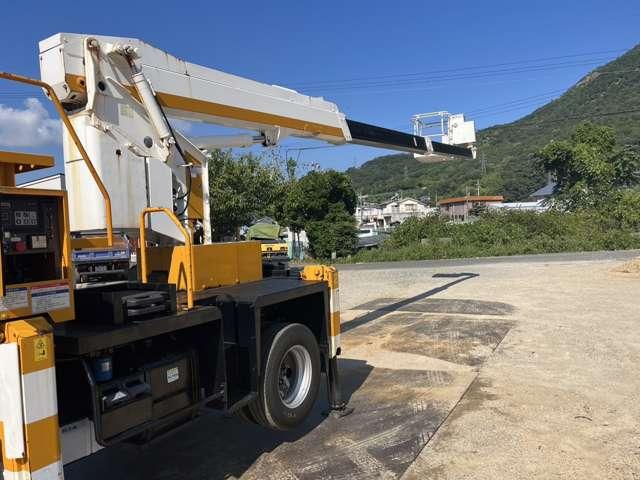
(172, 383)
(160, 388)
(124, 403)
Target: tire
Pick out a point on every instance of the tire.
(244, 414)
(290, 377)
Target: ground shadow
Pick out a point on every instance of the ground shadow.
(214, 446)
(400, 304)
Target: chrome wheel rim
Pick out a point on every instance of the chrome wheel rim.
(294, 380)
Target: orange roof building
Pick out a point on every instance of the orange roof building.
(458, 208)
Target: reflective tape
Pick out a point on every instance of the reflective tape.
(334, 300)
(50, 472)
(334, 308)
(39, 393)
(39, 413)
(11, 402)
(7, 475)
(54, 471)
(329, 275)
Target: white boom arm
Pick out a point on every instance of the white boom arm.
(119, 92)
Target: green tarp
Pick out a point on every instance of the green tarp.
(264, 231)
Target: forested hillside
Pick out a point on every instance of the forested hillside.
(609, 95)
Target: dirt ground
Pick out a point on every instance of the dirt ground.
(494, 370)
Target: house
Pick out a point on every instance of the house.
(544, 192)
(392, 212)
(459, 208)
(397, 211)
(369, 213)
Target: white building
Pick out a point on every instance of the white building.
(397, 211)
(537, 206)
(369, 213)
(393, 212)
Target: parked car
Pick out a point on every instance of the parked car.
(370, 236)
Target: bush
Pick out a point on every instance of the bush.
(513, 233)
(626, 210)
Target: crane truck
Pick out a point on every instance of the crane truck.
(85, 368)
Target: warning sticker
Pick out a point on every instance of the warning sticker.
(173, 375)
(49, 297)
(126, 110)
(41, 350)
(13, 299)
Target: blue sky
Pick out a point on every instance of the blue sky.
(380, 61)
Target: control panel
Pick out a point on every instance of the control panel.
(30, 226)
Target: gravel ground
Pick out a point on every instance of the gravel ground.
(560, 396)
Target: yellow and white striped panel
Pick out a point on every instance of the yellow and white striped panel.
(41, 459)
(329, 275)
(334, 309)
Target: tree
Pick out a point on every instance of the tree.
(241, 190)
(589, 168)
(336, 232)
(310, 197)
(478, 210)
(323, 204)
(291, 168)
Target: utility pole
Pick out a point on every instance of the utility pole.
(483, 164)
(478, 186)
(466, 206)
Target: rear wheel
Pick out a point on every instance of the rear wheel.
(290, 377)
(244, 413)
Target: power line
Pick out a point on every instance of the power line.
(463, 76)
(442, 86)
(516, 101)
(575, 117)
(302, 149)
(20, 94)
(532, 103)
(431, 86)
(525, 102)
(517, 62)
(504, 107)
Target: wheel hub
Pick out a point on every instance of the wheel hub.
(294, 379)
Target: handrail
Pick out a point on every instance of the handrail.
(76, 140)
(187, 243)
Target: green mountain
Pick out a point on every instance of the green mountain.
(609, 95)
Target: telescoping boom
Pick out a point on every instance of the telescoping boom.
(195, 92)
(119, 93)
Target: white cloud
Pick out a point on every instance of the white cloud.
(28, 127)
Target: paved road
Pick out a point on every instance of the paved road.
(544, 258)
